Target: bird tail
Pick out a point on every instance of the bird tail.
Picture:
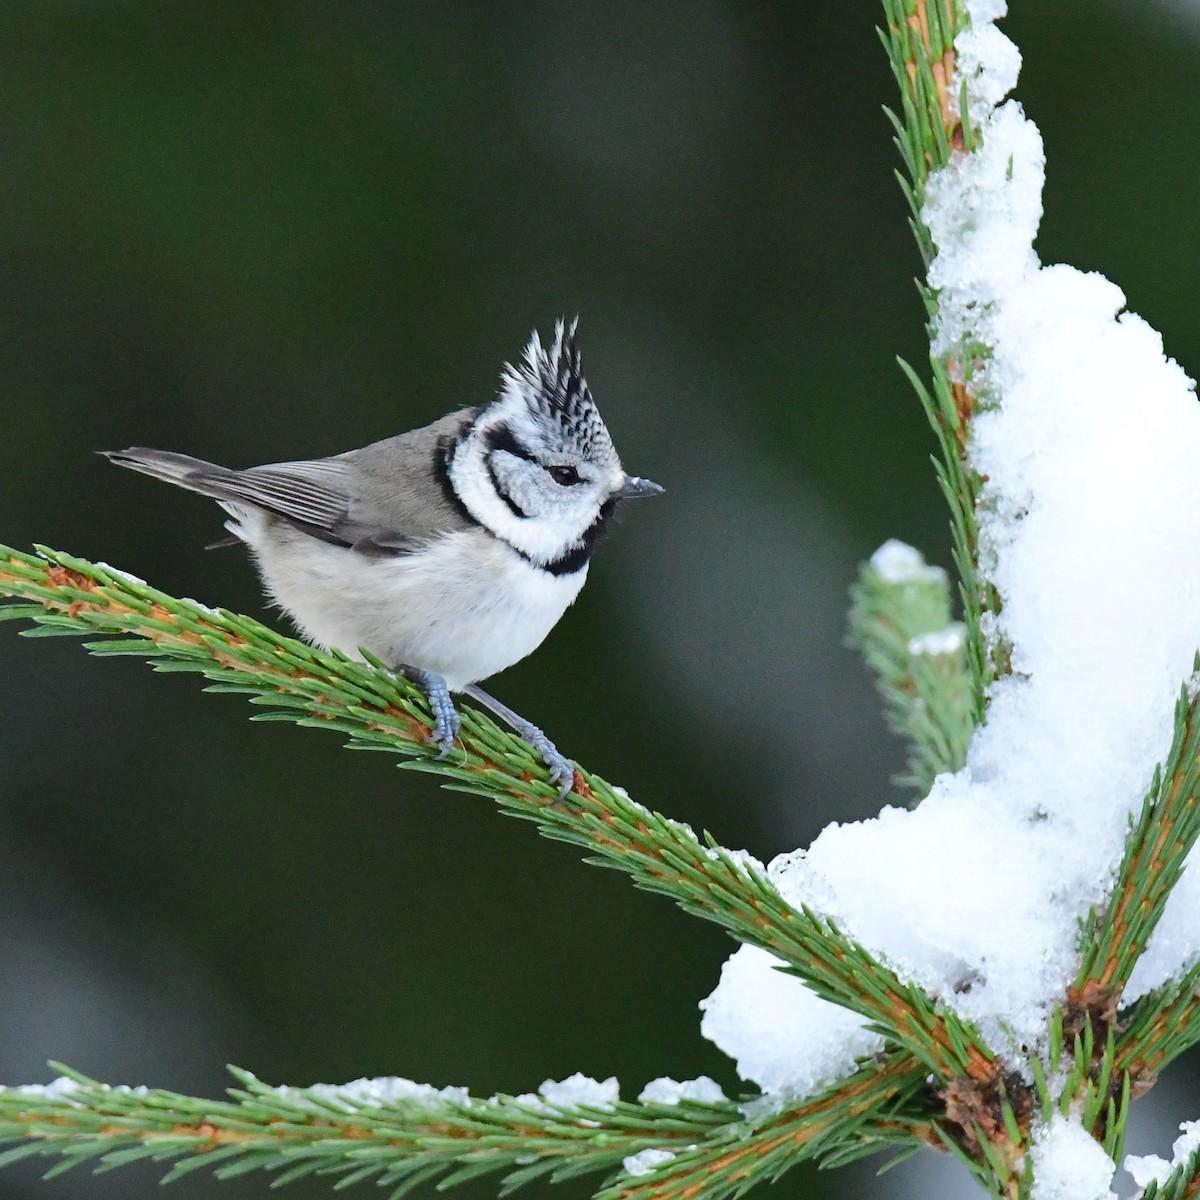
(180, 469)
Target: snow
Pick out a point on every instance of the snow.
(70, 1091)
(982, 12)
(381, 1092)
(1069, 1164)
(573, 1092)
(1087, 437)
(896, 562)
(1149, 1168)
(939, 641)
(645, 1162)
(578, 1090)
(991, 62)
(61, 1088)
(743, 860)
(207, 609)
(666, 1090)
(117, 573)
(783, 1037)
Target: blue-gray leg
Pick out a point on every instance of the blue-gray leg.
(562, 773)
(446, 722)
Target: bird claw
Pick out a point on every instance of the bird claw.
(446, 727)
(561, 772)
(558, 766)
(446, 722)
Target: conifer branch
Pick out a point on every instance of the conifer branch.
(937, 1082)
(1183, 1183)
(393, 1133)
(382, 712)
(1156, 851)
(934, 124)
(879, 1106)
(1159, 1028)
(903, 628)
(399, 1135)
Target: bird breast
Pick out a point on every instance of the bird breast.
(465, 606)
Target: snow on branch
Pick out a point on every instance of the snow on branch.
(1178, 1179)
(392, 1132)
(1069, 442)
(999, 971)
(382, 712)
(679, 1140)
(900, 620)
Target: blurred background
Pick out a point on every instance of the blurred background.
(283, 229)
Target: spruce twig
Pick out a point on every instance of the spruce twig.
(1164, 1024)
(381, 712)
(919, 40)
(420, 1135)
(417, 1135)
(1183, 1183)
(917, 656)
(1156, 851)
(1159, 1028)
(880, 1106)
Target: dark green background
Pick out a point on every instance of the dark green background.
(256, 231)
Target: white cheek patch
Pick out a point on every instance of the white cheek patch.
(553, 526)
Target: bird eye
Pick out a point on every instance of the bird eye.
(564, 476)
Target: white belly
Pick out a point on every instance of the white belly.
(465, 607)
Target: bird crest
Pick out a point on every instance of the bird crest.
(553, 388)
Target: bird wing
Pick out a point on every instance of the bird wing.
(314, 493)
(389, 498)
(323, 498)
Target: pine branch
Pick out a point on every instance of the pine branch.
(1111, 1061)
(902, 626)
(393, 1133)
(1118, 1056)
(1159, 1028)
(1155, 855)
(880, 1106)
(1182, 1184)
(1084, 1076)
(919, 40)
(382, 712)
(399, 1135)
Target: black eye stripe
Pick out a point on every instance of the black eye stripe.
(503, 492)
(502, 438)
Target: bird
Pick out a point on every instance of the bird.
(449, 552)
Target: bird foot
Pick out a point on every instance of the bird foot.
(559, 767)
(446, 721)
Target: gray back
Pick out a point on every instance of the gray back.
(397, 488)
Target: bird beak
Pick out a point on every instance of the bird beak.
(635, 488)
